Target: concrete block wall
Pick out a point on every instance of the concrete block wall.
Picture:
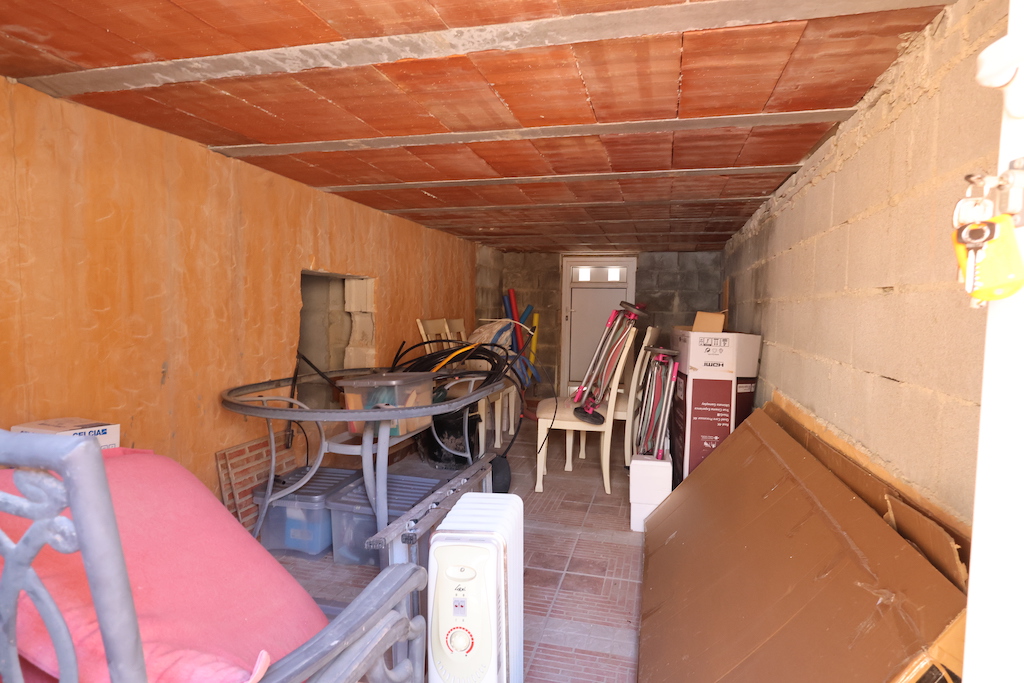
(848, 273)
(537, 280)
(675, 285)
(489, 263)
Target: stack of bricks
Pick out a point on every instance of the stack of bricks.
(243, 469)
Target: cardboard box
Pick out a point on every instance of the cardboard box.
(109, 435)
(650, 479)
(714, 392)
(764, 566)
(638, 514)
(708, 322)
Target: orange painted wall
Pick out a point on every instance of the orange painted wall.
(141, 275)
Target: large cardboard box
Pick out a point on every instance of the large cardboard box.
(714, 392)
(764, 566)
(109, 435)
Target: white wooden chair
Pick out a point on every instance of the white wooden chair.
(557, 413)
(433, 331)
(504, 404)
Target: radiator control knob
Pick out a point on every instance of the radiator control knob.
(460, 640)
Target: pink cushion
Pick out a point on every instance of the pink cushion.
(210, 598)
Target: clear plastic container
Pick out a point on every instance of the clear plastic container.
(390, 389)
(300, 520)
(353, 520)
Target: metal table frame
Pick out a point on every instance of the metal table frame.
(250, 400)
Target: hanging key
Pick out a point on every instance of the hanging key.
(973, 237)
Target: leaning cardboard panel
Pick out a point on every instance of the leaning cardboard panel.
(763, 566)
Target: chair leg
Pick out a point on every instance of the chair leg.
(513, 410)
(568, 449)
(497, 420)
(481, 427)
(583, 445)
(542, 459)
(627, 441)
(606, 453)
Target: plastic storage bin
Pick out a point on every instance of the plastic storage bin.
(300, 520)
(353, 520)
(391, 389)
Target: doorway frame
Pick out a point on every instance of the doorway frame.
(627, 260)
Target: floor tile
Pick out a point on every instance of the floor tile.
(583, 566)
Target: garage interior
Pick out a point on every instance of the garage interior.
(170, 169)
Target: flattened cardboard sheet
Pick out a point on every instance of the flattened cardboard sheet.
(930, 538)
(865, 484)
(763, 566)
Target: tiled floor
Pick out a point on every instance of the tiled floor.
(583, 566)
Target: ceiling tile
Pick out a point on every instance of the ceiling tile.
(584, 154)
(714, 148)
(261, 25)
(513, 157)
(609, 212)
(296, 169)
(22, 60)
(368, 94)
(651, 210)
(633, 78)
(66, 35)
(838, 59)
(781, 144)
(160, 29)
(453, 91)
(698, 187)
(289, 100)
(541, 86)
(454, 196)
(399, 163)
(548, 193)
(597, 191)
(646, 189)
(454, 161)
(753, 184)
(134, 105)
(734, 70)
(640, 152)
(350, 169)
(458, 13)
(367, 18)
(502, 194)
(415, 199)
(209, 103)
(376, 200)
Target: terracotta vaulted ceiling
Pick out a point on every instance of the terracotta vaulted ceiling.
(527, 125)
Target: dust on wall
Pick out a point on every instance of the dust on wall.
(141, 275)
(849, 275)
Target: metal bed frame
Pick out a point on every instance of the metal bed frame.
(351, 646)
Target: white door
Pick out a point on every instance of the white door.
(592, 288)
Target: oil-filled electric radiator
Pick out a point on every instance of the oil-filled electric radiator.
(475, 592)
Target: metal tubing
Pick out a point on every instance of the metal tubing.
(587, 378)
(366, 455)
(383, 445)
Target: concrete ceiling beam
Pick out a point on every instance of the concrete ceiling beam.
(575, 205)
(786, 118)
(580, 28)
(568, 178)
